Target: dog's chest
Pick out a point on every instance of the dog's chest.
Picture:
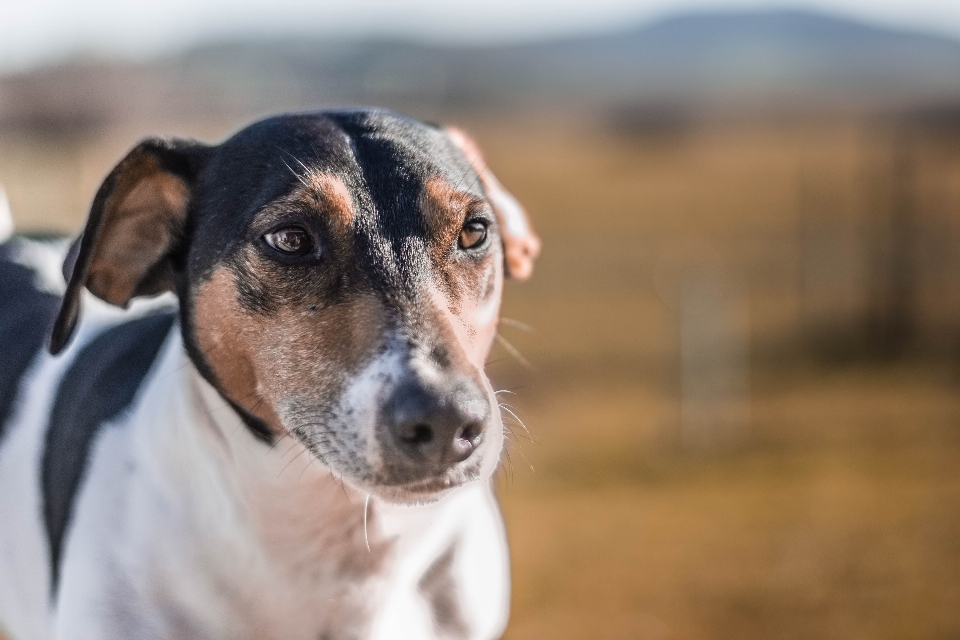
(256, 579)
(323, 558)
(324, 584)
(285, 545)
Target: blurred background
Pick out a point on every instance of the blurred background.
(739, 358)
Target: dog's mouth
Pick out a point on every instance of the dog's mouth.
(428, 489)
(400, 486)
(415, 450)
(419, 491)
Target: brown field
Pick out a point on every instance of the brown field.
(743, 380)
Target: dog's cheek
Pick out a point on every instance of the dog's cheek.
(479, 310)
(228, 340)
(315, 361)
(312, 349)
(487, 310)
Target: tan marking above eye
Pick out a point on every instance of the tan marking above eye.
(335, 198)
(323, 192)
(446, 209)
(520, 243)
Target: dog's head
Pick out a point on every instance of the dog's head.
(339, 277)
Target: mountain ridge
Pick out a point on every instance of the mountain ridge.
(697, 59)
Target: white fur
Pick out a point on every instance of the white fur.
(24, 554)
(43, 258)
(186, 526)
(489, 310)
(6, 216)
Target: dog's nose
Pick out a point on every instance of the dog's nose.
(437, 426)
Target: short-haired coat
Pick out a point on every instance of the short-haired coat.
(273, 420)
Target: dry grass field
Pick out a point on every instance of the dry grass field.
(833, 513)
(819, 496)
(837, 519)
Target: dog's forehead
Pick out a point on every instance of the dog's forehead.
(383, 160)
(377, 152)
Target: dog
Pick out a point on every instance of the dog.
(273, 421)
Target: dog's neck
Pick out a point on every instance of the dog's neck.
(293, 501)
(288, 499)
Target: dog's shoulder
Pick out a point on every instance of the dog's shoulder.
(100, 384)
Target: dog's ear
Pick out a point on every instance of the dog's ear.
(135, 225)
(521, 246)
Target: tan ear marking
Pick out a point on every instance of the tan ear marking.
(139, 223)
(134, 224)
(446, 208)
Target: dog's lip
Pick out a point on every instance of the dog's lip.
(432, 487)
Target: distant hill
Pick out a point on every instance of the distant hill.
(701, 60)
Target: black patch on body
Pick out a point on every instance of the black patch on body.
(26, 314)
(100, 384)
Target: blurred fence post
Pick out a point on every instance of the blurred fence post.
(713, 350)
(892, 311)
(714, 362)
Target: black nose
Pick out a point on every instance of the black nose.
(437, 426)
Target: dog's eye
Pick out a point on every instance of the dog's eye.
(293, 240)
(473, 234)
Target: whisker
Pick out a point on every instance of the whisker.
(516, 324)
(477, 179)
(227, 404)
(308, 465)
(512, 350)
(290, 448)
(520, 453)
(300, 162)
(366, 505)
(292, 461)
(279, 440)
(507, 408)
(342, 487)
(473, 167)
(203, 352)
(241, 422)
(297, 160)
(509, 464)
(296, 175)
(520, 435)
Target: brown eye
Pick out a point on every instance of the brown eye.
(473, 234)
(293, 240)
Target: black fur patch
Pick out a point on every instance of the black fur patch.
(26, 314)
(99, 385)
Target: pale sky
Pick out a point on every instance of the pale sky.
(36, 31)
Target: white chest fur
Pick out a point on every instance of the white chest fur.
(189, 527)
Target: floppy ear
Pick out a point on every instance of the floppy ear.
(135, 225)
(521, 246)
